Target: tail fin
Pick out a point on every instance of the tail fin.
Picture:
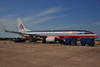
(21, 26)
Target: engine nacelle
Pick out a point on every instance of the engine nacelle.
(51, 39)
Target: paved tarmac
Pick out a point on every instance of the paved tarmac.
(48, 55)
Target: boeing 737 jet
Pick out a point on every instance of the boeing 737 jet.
(52, 35)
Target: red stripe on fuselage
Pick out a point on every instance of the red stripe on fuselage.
(73, 35)
(25, 35)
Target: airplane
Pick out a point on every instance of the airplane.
(51, 35)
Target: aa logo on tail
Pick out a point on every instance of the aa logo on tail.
(21, 26)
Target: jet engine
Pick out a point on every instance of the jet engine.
(51, 39)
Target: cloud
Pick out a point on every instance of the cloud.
(28, 18)
(39, 17)
(11, 20)
(12, 15)
(98, 23)
(50, 11)
(1, 8)
(44, 19)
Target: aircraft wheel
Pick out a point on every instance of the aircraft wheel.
(83, 44)
(75, 44)
(91, 45)
(44, 42)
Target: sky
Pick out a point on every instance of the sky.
(50, 15)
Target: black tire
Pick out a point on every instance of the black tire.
(66, 44)
(83, 44)
(75, 44)
(91, 45)
(44, 42)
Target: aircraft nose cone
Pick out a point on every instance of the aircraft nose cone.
(97, 36)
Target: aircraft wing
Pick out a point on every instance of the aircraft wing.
(22, 34)
(11, 31)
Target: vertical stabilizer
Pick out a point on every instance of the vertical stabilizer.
(21, 26)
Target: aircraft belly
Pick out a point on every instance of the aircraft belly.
(73, 35)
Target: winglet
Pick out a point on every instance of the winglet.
(4, 28)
